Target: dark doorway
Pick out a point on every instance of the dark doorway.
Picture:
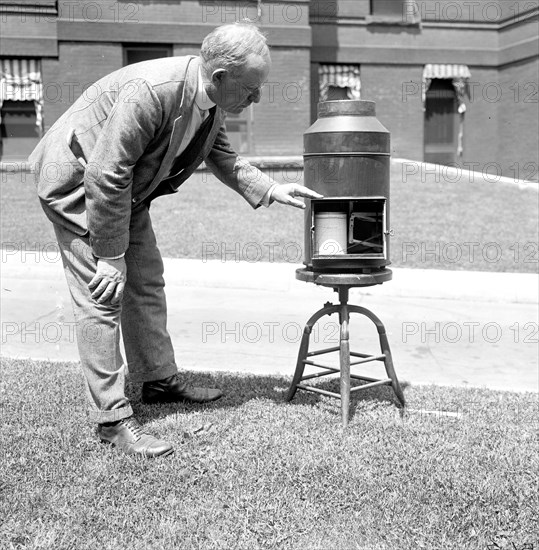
(441, 123)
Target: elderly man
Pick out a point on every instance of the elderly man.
(136, 134)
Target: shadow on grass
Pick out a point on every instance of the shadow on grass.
(239, 388)
(58, 388)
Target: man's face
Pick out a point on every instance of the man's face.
(233, 94)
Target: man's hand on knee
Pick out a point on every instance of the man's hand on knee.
(109, 281)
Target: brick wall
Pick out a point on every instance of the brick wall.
(279, 119)
(502, 130)
(502, 127)
(399, 105)
(501, 123)
(481, 120)
(518, 122)
(183, 49)
(283, 113)
(498, 129)
(79, 65)
(459, 11)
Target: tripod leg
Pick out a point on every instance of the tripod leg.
(304, 348)
(345, 366)
(388, 362)
(384, 346)
(300, 365)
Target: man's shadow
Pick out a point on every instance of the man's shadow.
(240, 388)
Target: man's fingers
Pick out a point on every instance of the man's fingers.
(306, 192)
(108, 292)
(109, 281)
(103, 283)
(95, 281)
(118, 294)
(297, 204)
(286, 194)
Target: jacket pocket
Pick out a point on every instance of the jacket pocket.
(60, 186)
(60, 173)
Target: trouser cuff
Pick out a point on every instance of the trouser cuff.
(151, 375)
(110, 416)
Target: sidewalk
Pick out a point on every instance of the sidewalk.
(444, 327)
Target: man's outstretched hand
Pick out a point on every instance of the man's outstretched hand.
(109, 281)
(286, 193)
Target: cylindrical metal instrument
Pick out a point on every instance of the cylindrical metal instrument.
(347, 159)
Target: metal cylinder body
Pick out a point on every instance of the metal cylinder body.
(347, 159)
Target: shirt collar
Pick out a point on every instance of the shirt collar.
(201, 97)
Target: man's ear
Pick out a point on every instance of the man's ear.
(217, 76)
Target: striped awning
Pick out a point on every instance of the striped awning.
(446, 71)
(341, 76)
(459, 74)
(20, 80)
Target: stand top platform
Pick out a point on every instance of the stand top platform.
(336, 280)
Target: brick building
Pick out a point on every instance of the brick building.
(455, 81)
(423, 61)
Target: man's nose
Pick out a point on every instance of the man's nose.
(255, 96)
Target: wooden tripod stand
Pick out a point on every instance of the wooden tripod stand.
(342, 285)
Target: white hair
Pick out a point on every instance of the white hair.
(229, 46)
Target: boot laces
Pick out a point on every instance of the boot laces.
(134, 427)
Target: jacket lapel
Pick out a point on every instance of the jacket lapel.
(216, 126)
(180, 123)
(177, 179)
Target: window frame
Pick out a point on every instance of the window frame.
(389, 14)
(403, 17)
(127, 47)
(18, 147)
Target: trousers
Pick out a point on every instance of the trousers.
(140, 319)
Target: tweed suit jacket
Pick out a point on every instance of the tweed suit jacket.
(129, 126)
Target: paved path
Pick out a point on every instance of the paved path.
(444, 327)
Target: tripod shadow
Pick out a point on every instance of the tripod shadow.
(240, 388)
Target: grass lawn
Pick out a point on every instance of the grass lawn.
(438, 222)
(252, 472)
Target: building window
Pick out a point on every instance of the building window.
(19, 133)
(239, 129)
(387, 8)
(21, 107)
(394, 12)
(135, 53)
(337, 92)
(339, 82)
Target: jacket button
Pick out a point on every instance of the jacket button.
(134, 200)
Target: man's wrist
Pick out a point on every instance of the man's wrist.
(266, 199)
